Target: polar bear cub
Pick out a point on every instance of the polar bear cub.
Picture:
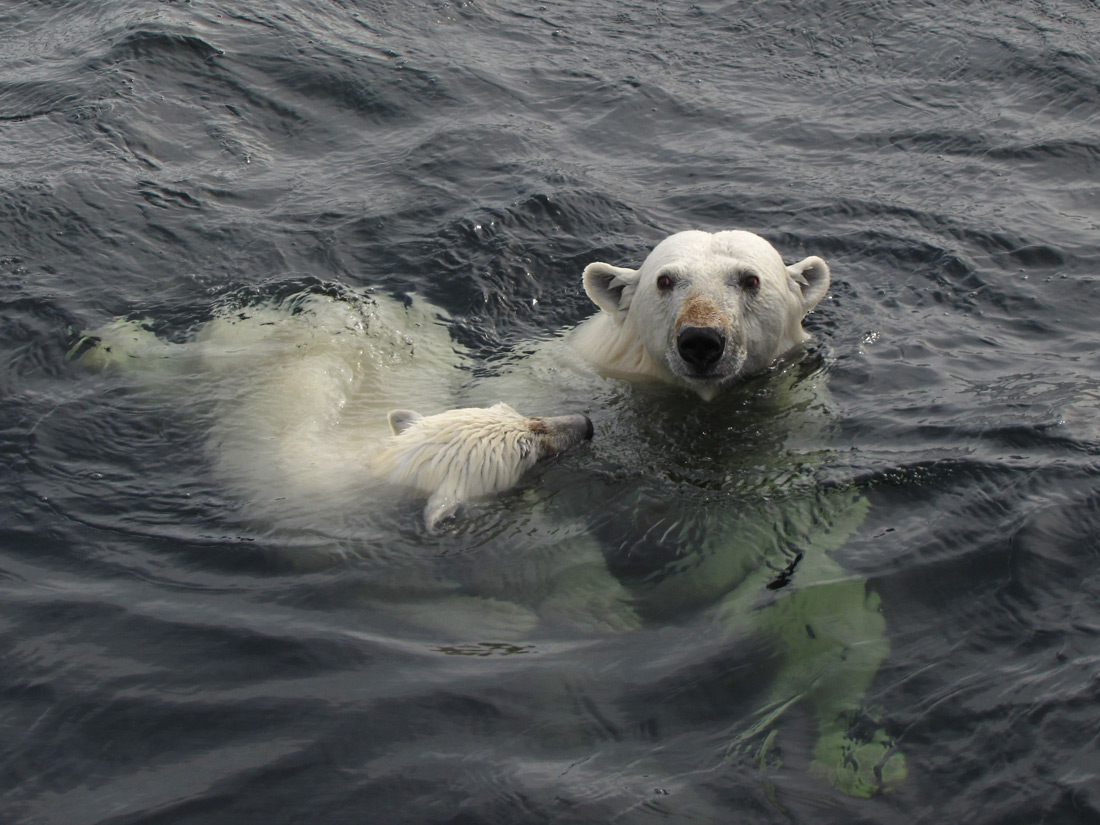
(703, 311)
(470, 452)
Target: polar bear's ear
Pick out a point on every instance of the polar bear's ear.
(811, 280)
(401, 420)
(610, 287)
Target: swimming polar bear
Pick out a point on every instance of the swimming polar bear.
(706, 311)
(301, 387)
(283, 374)
(468, 453)
(703, 312)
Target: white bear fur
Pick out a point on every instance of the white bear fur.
(469, 453)
(300, 391)
(634, 336)
(301, 386)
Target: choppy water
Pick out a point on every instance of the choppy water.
(163, 661)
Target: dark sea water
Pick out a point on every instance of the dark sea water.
(163, 662)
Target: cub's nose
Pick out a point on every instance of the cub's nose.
(701, 347)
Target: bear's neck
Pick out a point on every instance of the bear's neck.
(615, 347)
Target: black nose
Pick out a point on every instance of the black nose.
(701, 346)
(589, 430)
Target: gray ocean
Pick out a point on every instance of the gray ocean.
(165, 661)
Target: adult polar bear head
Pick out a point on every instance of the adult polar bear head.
(472, 452)
(702, 311)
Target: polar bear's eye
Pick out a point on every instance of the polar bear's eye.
(750, 282)
(665, 282)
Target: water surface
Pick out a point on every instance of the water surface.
(167, 660)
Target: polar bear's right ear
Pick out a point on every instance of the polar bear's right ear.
(611, 288)
(811, 281)
(401, 420)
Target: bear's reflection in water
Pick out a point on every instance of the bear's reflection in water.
(713, 517)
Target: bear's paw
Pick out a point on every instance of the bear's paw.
(856, 766)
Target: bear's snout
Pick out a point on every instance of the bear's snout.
(700, 347)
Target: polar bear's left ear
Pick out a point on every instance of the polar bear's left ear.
(401, 420)
(811, 280)
(611, 288)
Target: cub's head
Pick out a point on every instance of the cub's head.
(462, 454)
(711, 308)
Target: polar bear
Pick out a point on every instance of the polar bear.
(703, 311)
(300, 389)
(309, 396)
(468, 453)
(323, 367)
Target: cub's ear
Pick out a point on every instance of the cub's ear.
(811, 280)
(611, 288)
(401, 420)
